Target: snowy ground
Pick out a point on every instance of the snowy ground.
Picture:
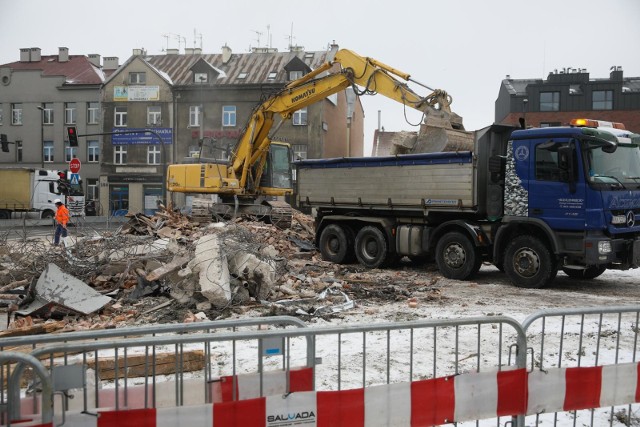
(420, 294)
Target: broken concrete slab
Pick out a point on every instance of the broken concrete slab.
(210, 263)
(56, 289)
(139, 250)
(258, 275)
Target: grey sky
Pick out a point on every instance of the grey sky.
(465, 47)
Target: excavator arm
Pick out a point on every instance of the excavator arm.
(347, 69)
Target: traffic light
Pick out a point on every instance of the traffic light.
(4, 142)
(73, 136)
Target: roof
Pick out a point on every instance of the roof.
(256, 65)
(78, 70)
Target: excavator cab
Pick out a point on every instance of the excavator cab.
(276, 175)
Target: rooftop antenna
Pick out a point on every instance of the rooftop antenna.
(258, 34)
(197, 36)
(269, 36)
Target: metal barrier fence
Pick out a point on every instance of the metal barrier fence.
(476, 371)
(10, 399)
(560, 340)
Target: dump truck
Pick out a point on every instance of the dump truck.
(27, 191)
(529, 201)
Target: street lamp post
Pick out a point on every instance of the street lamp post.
(41, 134)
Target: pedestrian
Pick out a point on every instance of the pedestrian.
(62, 218)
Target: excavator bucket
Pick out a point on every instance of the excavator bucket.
(441, 130)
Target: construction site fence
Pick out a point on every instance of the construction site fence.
(557, 367)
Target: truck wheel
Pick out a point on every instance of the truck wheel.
(5, 214)
(47, 214)
(336, 244)
(529, 263)
(457, 257)
(586, 274)
(371, 247)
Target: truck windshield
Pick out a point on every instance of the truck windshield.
(621, 167)
(75, 190)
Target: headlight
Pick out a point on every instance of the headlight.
(604, 247)
(618, 219)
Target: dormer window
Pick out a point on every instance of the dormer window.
(200, 77)
(295, 75)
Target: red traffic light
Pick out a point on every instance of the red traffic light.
(73, 136)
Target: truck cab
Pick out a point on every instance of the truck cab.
(579, 188)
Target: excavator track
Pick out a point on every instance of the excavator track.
(281, 214)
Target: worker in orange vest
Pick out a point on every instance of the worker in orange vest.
(62, 218)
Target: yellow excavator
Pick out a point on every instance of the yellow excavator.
(259, 168)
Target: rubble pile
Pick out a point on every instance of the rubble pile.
(169, 268)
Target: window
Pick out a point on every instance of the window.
(16, 114)
(70, 113)
(120, 117)
(243, 75)
(93, 151)
(602, 100)
(549, 101)
(47, 113)
(154, 115)
(549, 124)
(295, 75)
(547, 167)
(120, 154)
(228, 115)
(92, 189)
(70, 153)
(200, 77)
(299, 152)
(300, 117)
(92, 113)
(137, 78)
(153, 155)
(194, 115)
(272, 75)
(47, 155)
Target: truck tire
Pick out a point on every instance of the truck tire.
(371, 247)
(5, 214)
(47, 214)
(336, 244)
(457, 257)
(586, 274)
(529, 263)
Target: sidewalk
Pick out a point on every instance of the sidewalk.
(29, 222)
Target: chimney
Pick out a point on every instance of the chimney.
(63, 54)
(197, 51)
(138, 52)
(35, 55)
(188, 50)
(94, 58)
(24, 54)
(173, 51)
(616, 73)
(110, 63)
(226, 54)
